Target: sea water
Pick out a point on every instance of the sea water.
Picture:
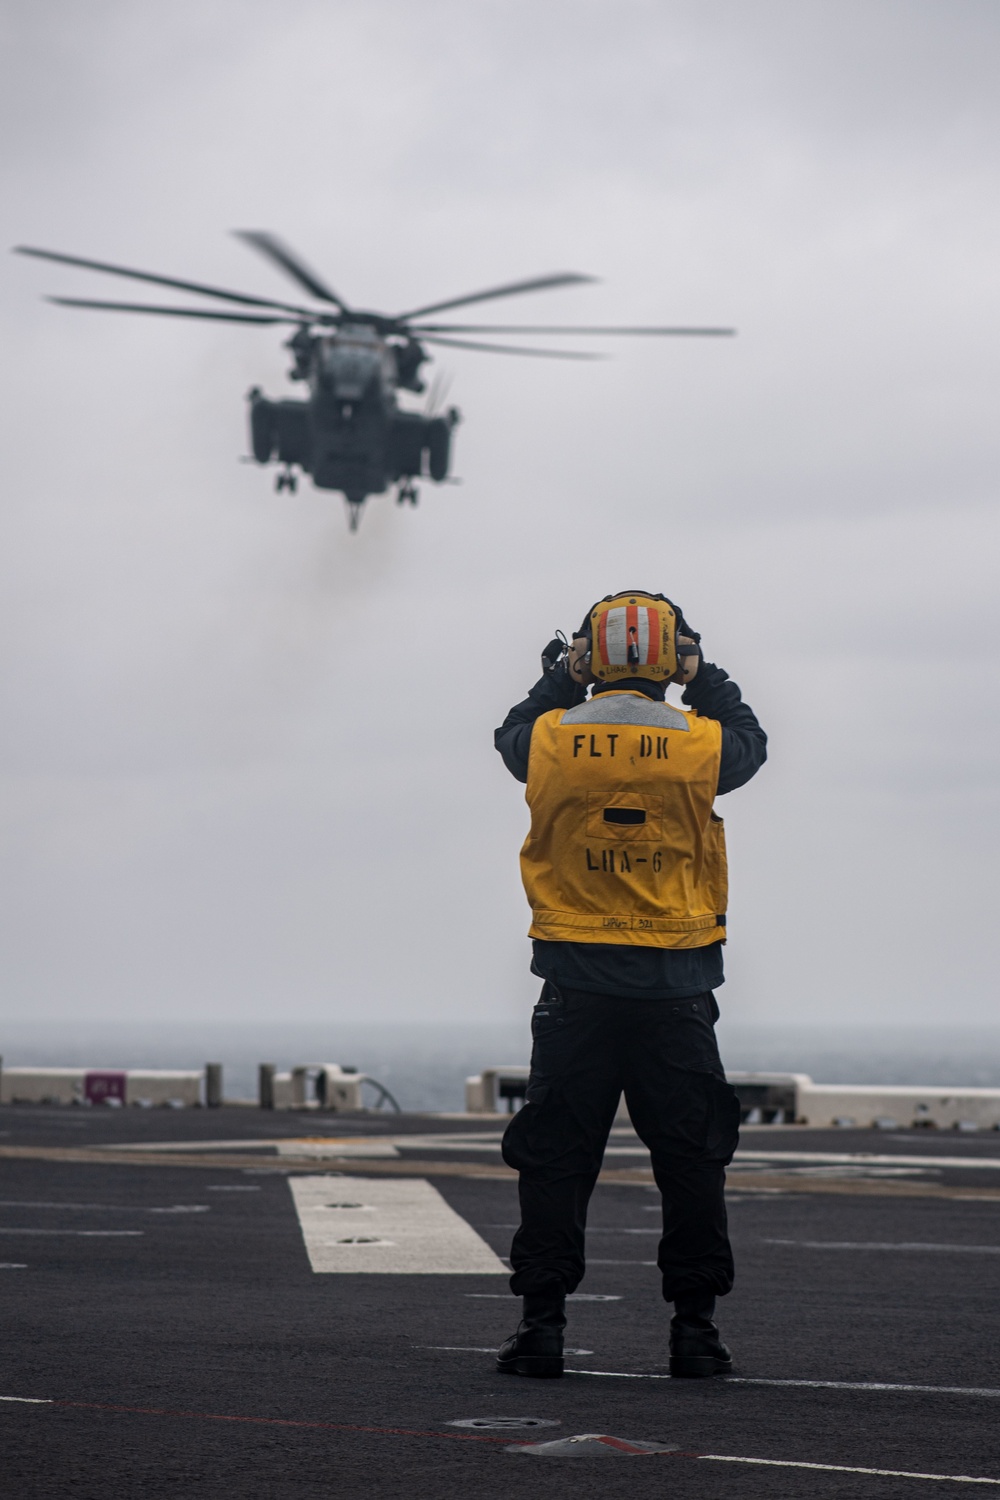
(425, 1065)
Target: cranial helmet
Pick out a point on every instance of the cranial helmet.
(632, 634)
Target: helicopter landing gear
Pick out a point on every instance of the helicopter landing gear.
(354, 511)
(407, 492)
(287, 480)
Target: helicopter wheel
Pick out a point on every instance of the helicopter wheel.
(287, 480)
(407, 491)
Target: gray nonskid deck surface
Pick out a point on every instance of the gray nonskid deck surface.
(146, 1302)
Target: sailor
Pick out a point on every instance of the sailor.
(624, 868)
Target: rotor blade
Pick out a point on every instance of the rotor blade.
(270, 246)
(599, 331)
(433, 338)
(511, 289)
(170, 312)
(181, 286)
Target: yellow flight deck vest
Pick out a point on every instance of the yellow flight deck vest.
(624, 846)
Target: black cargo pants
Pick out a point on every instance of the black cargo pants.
(588, 1050)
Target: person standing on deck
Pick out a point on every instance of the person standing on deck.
(624, 868)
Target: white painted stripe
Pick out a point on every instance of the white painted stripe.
(92, 1234)
(749, 1156)
(573, 1296)
(871, 1385)
(489, 1141)
(613, 1229)
(593, 1260)
(346, 1149)
(477, 1349)
(989, 1392)
(109, 1208)
(13, 1265)
(813, 1385)
(717, 1458)
(284, 1145)
(870, 1158)
(787, 1463)
(397, 1226)
(887, 1245)
(240, 1145)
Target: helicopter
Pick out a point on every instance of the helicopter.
(351, 434)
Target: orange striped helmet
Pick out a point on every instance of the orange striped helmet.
(633, 634)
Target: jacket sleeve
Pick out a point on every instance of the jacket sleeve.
(554, 689)
(744, 743)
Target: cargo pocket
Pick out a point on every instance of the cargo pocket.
(549, 1016)
(695, 1118)
(724, 1132)
(545, 1140)
(522, 1147)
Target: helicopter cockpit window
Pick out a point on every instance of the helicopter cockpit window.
(349, 365)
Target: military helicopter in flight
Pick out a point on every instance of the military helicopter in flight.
(351, 434)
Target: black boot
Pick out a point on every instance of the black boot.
(537, 1346)
(696, 1349)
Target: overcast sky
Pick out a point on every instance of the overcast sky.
(247, 763)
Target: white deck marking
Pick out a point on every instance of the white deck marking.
(613, 1229)
(489, 1141)
(873, 1385)
(720, 1458)
(283, 1145)
(240, 1145)
(572, 1297)
(787, 1463)
(869, 1158)
(480, 1349)
(89, 1234)
(331, 1147)
(887, 1245)
(989, 1392)
(108, 1208)
(398, 1226)
(812, 1385)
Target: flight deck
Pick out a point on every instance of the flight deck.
(241, 1302)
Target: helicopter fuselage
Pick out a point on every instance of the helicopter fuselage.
(351, 434)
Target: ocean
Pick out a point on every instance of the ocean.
(425, 1065)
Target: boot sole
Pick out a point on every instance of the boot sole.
(540, 1366)
(697, 1366)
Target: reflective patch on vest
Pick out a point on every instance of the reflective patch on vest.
(622, 708)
